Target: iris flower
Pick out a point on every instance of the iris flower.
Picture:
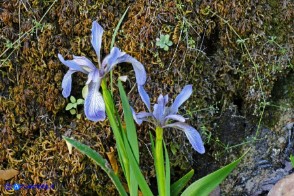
(162, 115)
(94, 104)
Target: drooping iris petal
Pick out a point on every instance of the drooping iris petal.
(192, 135)
(180, 99)
(139, 69)
(94, 103)
(175, 117)
(71, 64)
(96, 38)
(122, 57)
(85, 63)
(141, 116)
(144, 96)
(111, 59)
(66, 83)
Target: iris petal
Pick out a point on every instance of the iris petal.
(94, 103)
(66, 83)
(144, 96)
(158, 111)
(192, 135)
(139, 69)
(85, 63)
(175, 117)
(111, 59)
(141, 116)
(116, 57)
(96, 38)
(181, 98)
(71, 64)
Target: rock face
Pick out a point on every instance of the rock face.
(283, 187)
(266, 164)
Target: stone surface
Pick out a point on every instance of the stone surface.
(283, 187)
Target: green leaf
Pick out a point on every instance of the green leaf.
(174, 148)
(98, 159)
(117, 27)
(166, 38)
(131, 135)
(85, 91)
(73, 99)
(165, 48)
(179, 185)
(292, 160)
(130, 125)
(167, 171)
(69, 106)
(207, 184)
(110, 110)
(79, 116)
(169, 43)
(73, 111)
(137, 171)
(158, 43)
(112, 43)
(80, 101)
(152, 143)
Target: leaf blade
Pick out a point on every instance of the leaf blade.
(99, 160)
(207, 184)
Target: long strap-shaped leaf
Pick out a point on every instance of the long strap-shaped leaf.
(207, 184)
(131, 137)
(179, 185)
(110, 110)
(138, 174)
(98, 159)
(112, 44)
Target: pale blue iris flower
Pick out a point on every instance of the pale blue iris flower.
(94, 103)
(162, 115)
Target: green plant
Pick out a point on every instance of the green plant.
(125, 133)
(72, 106)
(292, 160)
(164, 42)
(128, 153)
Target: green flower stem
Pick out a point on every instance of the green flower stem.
(159, 162)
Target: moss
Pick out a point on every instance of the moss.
(204, 53)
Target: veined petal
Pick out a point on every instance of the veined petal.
(140, 117)
(96, 38)
(71, 64)
(94, 76)
(192, 135)
(125, 58)
(66, 83)
(139, 69)
(175, 117)
(180, 99)
(85, 63)
(158, 110)
(111, 59)
(94, 103)
(144, 96)
(165, 100)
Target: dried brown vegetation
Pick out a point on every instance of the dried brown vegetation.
(205, 53)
